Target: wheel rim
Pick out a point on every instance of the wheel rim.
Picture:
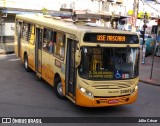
(25, 63)
(59, 88)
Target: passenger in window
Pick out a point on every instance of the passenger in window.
(50, 47)
(62, 51)
(46, 45)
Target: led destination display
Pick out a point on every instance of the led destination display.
(110, 38)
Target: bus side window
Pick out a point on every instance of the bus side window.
(44, 40)
(31, 35)
(25, 31)
(60, 44)
(54, 42)
(47, 41)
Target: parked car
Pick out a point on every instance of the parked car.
(149, 42)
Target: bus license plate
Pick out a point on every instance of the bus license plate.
(113, 101)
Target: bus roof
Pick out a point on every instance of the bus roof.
(67, 26)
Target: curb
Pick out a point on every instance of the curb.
(149, 82)
(8, 52)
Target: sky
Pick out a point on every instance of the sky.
(56, 4)
(50, 4)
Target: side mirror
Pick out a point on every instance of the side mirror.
(78, 57)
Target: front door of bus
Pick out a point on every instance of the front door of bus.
(70, 68)
(38, 51)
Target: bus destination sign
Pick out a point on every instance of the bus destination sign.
(110, 38)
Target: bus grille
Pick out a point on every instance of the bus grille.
(112, 85)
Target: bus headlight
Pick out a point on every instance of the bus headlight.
(133, 90)
(86, 92)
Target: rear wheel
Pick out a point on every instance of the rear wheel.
(58, 89)
(27, 68)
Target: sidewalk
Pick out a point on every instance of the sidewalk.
(144, 69)
(6, 48)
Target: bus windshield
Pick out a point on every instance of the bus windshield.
(105, 63)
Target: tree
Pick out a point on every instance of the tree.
(44, 11)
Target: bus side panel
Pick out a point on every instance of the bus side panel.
(63, 86)
(47, 68)
(16, 45)
(31, 40)
(24, 48)
(31, 56)
(39, 61)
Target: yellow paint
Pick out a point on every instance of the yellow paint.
(32, 35)
(140, 14)
(63, 86)
(39, 61)
(31, 62)
(47, 73)
(83, 100)
(130, 12)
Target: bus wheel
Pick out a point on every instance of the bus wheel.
(58, 89)
(27, 68)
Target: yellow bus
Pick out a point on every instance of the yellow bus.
(90, 65)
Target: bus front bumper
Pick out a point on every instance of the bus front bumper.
(83, 100)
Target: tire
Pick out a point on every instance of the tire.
(58, 89)
(26, 67)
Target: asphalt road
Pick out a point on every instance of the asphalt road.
(22, 95)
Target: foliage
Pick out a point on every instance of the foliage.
(44, 11)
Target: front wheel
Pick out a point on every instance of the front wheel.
(58, 89)
(26, 67)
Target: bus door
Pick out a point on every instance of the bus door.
(70, 68)
(38, 51)
(19, 37)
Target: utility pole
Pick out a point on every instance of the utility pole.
(144, 31)
(1, 29)
(134, 16)
(144, 27)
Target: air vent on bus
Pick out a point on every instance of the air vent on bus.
(111, 85)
